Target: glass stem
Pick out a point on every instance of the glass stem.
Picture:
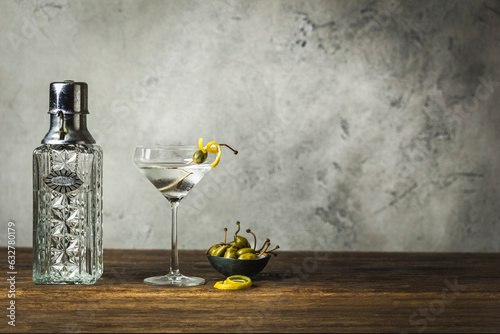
(174, 254)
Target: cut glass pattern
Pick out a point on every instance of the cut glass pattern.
(67, 225)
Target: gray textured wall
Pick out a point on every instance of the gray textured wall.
(361, 125)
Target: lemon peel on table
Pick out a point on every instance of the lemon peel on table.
(235, 282)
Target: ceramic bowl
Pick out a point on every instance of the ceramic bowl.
(229, 267)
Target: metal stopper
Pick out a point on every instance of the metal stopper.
(68, 114)
(69, 97)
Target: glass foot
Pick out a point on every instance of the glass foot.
(174, 280)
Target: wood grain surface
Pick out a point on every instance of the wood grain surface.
(296, 292)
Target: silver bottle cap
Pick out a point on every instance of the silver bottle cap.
(68, 114)
(69, 97)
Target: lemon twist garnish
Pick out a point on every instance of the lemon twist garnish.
(235, 282)
(200, 156)
(200, 144)
(213, 147)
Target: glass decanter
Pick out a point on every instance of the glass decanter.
(67, 193)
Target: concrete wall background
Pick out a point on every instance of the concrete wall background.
(361, 125)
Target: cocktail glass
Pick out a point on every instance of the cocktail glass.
(172, 171)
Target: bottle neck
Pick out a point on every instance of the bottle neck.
(68, 129)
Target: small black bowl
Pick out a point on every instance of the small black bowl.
(230, 267)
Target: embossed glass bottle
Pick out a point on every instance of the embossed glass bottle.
(67, 193)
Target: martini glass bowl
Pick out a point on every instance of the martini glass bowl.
(172, 171)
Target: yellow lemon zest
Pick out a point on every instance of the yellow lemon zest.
(212, 147)
(221, 285)
(200, 144)
(236, 282)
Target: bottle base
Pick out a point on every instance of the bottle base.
(47, 280)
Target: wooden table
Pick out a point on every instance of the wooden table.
(296, 292)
